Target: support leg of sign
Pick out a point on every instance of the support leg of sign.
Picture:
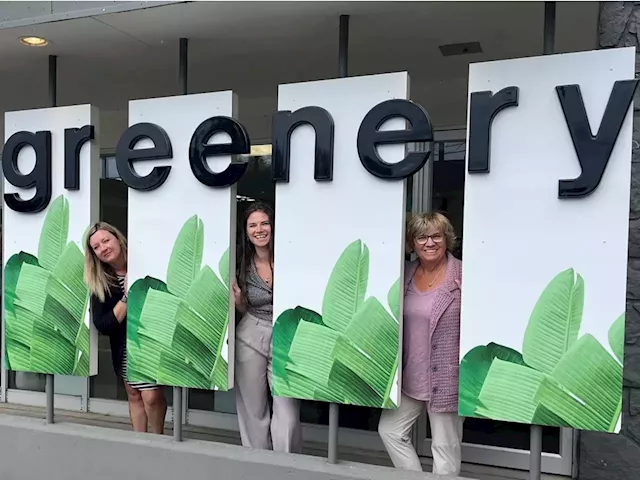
(535, 449)
(535, 455)
(53, 100)
(334, 408)
(178, 391)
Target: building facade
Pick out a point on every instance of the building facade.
(109, 53)
(617, 456)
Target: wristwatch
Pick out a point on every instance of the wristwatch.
(124, 299)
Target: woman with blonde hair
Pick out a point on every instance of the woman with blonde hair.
(105, 274)
(431, 344)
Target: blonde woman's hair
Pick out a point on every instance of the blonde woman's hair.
(98, 275)
(422, 223)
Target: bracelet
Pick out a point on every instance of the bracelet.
(124, 299)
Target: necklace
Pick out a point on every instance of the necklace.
(267, 278)
(436, 277)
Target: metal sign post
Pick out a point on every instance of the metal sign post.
(53, 90)
(178, 391)
(334, 408)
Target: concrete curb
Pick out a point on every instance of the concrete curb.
(32, 449)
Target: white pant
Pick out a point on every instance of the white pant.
(258, 427)
(446, 437)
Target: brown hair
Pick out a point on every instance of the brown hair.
(98, 275)
(422, 223)
(247, 250)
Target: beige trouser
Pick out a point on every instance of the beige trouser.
(446, 432)
(258, 429)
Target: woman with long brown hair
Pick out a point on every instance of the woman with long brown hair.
(254, 299)
(105, 274)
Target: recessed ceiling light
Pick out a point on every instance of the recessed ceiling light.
(34, 41)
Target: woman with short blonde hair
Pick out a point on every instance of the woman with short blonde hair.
(431, 344)
(105, 273)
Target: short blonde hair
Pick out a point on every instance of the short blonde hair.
(422, 223)
(99, 276)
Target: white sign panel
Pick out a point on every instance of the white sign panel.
(545, 244)
(181, 254)
(339, 253)
(46, 314)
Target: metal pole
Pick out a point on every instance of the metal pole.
(183, 85)
(549, 27)
(343, 46)
(334, 408)
(535, 448)
(184, 66)
(334, 415)
(535, 454)
(53, 100)
(53, 80)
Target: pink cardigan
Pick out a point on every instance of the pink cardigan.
(445, 337)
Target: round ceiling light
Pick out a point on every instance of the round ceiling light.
(34, 41)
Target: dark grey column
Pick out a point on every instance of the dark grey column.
(53, 99)
(178, 392)
(617, 457)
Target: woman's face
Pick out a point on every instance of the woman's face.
(430, 247)
(106, 246)
(259, 229)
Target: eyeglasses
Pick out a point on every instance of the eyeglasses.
(436, 237)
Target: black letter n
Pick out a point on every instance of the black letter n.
(284, 123)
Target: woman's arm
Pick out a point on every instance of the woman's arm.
(106, 319)
(237, 295)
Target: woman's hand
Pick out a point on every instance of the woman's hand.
(237, 294)
(126, 283)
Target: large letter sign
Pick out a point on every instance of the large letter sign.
(545, 239)
(176, 157)
(51, 172)
(340, 212)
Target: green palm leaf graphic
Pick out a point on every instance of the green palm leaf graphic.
(555, 322)
(616, 338)
(46, 302)
(284, 331)
(176, 331)
(508, 392)
(53, 238)
(591, 376)
(350, 353)
(474, 368)
(560, 380)
(186, 257)
(347, 286)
